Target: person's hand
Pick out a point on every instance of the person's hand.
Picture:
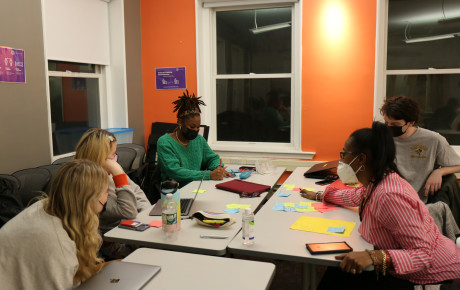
(228, 174)
(308, 194)
(218, 174)
(354, 262)
(113, 167)
(433, 183)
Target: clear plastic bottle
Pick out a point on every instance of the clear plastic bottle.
(169, 214)
(248, 227)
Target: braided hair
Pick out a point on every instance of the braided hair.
(187, 105)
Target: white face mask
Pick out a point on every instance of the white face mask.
(114, 158)
(346, 173)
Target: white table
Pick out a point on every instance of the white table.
(188, 238)
(191, 271)
(274, 239)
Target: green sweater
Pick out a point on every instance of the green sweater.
(185, 164)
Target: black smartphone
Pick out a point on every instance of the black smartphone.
(328, 248)
(324, 182)
(133, 225)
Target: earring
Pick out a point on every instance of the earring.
(362, 168)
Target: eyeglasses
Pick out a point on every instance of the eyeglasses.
(343, 154)
(247, 194)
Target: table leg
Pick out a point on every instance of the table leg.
(308, 276)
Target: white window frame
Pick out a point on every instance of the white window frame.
(381, 72)
(100, 76)
(207, 76)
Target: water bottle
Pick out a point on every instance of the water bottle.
(248, 227)
(169, 215)
(171, 186)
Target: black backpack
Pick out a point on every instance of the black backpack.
(10, 205)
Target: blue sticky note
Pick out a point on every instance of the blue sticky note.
(300, 206)
(283, 194)
(279, 206)
(231, 210)
(337, 230)
(289, 209)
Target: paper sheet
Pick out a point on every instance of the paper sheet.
(321, 225)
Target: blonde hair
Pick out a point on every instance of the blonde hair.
(95, 145)
(74, 198)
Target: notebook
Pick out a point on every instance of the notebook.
(240, 186)
(321, 170)
(185, 203)
(120, 276)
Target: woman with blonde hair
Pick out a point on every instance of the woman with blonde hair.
(53, 244)
(126, 198)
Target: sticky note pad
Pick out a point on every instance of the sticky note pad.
(289, 209)
(301, 209)
(231, 210)
(155, 224)
(279, 206)
(201, 190)
(283, 194)
(305, 203)
(320, 225)
(289, 204)
(301, 206)
(338, 230)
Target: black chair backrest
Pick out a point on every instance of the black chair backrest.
(126, 157)
(10, 205)
(63, 160)
(140, 154)
(53, 168)
(158, 130)
(33, 182)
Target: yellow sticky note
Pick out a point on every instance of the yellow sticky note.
(289, 185)
(244, 206)
(289, 204)
(305, 203)
(309, 189)
(320, 225)
(235, 205)
(232, 205)
(201, 190)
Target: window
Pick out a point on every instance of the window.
(74, 102)
(251, 84)
(423, 60)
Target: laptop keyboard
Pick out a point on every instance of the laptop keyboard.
(184, 204)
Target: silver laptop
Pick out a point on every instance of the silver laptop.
(120, 276)
(185, 203)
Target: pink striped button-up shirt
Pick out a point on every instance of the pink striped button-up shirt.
(395, 219)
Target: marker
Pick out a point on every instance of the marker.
(213, 237)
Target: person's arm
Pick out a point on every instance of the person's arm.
(142, 201)
(404, 218)
(211, 160)
(171, 165)
(342, 196)
(121, 203)
(449, 161)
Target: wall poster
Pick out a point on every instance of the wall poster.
(170, 78)
(12, 65)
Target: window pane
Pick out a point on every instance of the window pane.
(71, 66)
(438, 97)
(254, 110)
(240, 51)
(418, 19)
(74, 109)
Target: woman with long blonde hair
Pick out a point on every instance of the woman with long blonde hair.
(126, 199)
(53, 244)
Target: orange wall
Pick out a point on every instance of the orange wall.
(337, 66)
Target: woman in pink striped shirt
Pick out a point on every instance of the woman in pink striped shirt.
(408, 245)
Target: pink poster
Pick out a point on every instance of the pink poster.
(12, 66)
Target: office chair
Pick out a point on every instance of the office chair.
(63, 160)
(126, 158)
(33, 183)
(52, 168)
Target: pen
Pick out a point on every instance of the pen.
(213, 237)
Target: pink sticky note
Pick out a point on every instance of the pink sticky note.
(296, 189)
(322, 207)
(156, 224)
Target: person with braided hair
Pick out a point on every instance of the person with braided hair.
(184, 155)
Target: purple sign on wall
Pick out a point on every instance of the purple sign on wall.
(12, 66)
(170, 78)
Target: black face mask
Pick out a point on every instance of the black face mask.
(397, 131)
(190, 134)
